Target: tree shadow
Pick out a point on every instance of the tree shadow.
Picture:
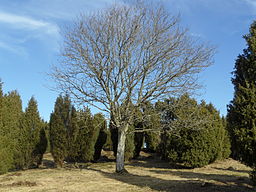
(187, 174)
(181, 179)
(232, 169)
(47, 164)
(152, 182)
(183, 184)
(236, 183)
(155, 162)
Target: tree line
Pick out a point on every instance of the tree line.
(192, 133)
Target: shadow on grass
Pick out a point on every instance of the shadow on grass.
(186, 183)
(160, 164)
(232, 169)
(152, 182)
(229, 180)
(185, 180)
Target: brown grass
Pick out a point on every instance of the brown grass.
(147, 174)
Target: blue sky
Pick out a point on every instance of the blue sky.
(30, 39)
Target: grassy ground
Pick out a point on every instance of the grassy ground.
(145, 175)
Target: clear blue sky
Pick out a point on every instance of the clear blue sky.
(30, 38)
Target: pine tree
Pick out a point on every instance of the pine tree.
(72, 135)
(31, 133)
(153, 125)
(241, 116)
(11, 115)
(87, 136)
(20, 135)
(64, 131)
(41, 146)
(221, 141)
(6, 153)
(226, 150)
(57, 132)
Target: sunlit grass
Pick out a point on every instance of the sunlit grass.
(145, 175)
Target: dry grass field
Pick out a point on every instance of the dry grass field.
(145, 175)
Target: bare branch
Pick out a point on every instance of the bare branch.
(127, 55)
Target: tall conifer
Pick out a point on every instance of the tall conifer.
(6, 152)
(57, 132)
(11, 116)
(32, 136)
(242, 109)
(72, 130)
(87, 136)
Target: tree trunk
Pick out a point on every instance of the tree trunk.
(120, 151)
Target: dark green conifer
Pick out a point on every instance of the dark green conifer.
(226, 147)
(87, 135)
(129, 144)
(152, 123)
(100, 125)
(6, 151)
(72, 130)
(30, 136)
(10, 114)
(58, 132)
(194, 133)
(19, 133)
(241, 116)
(64, 131)
(138, 143)
(40, 147)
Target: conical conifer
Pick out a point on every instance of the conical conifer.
(58, 133)
(241, 116)
(11, 116)
(6, 152)
(87, 136)
(30, 135)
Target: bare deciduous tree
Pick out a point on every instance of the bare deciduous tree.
(126, 55)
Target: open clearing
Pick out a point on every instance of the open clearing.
(145, 175)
